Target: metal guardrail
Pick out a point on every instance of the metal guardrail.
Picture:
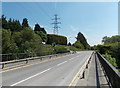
(112, 73)
(85, 66)
(32, 58)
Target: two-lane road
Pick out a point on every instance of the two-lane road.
(56, 72)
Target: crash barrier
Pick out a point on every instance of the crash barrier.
(111, 72)
(32, 58)
(85, 66)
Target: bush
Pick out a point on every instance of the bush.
(61, 40)
(115, 48)
(77, 44)
(104, 48)
(60, 49)
(8, 44)
(74, 48)
(110, 59)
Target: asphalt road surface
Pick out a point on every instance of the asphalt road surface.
(56, 72)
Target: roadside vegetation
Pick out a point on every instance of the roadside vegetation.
(110, 49)
(19, 40)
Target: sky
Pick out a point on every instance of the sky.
(94, 19)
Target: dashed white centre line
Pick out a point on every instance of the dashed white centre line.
(40, 73)
(71, 59)
(30, 77)
(61, 63)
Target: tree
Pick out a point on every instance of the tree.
(113, 39)
(8, 44)
(28, 41)
(79, 45)
(104, 40)
(4, 22)
(14, 25)
(116, 52)
(37, 27)
(42, 35)
(25, 23)
(80, 37)
(41, 32)
(16, 36)
(69, 44)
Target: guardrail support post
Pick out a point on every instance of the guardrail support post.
(41, 58)
(3, 66)
(87, 66)
(83, 75)
(26, 61)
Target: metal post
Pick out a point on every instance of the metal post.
(3, 65)
(83, 75)
(87, 66)
(26, 61)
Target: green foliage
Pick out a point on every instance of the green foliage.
(4, 22)
(30, 41)
(13, 25)
(69, 44)
(80, 37)
(61, 40)
(74, 48)
(110, 59)
(25, 23)
(47, 48)
(79, 45)
(24, 42)
(60, 49)
(111, 47)
(116, 49)
(41, 32)
(104, 48)
(8, 44)
(38, 28)
(109, 40)
(116, 52)
(42, 35)
(27, 34)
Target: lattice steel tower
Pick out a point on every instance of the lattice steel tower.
(55, 24)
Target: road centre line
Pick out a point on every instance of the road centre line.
(30, 77)
(66, 61)
(61, 63)
(74, 57)
(38, 73)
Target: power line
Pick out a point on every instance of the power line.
(55, 24)
(43, 11)
(28, 10)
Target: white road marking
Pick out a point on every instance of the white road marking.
(40, 73)
(30, 77)
(61, 63)
(73, 58)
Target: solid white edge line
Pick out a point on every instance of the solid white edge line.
(30, 77)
